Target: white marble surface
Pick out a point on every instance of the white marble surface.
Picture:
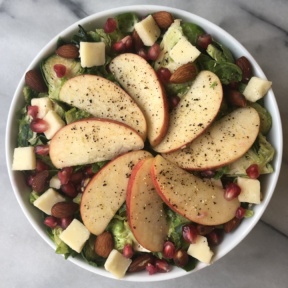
(260, 260)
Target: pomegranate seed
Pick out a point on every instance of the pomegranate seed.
(39, 125)
(207, 174)
(124, 45)
(128, 251)
(204, 40)
(69, 189)
(143, 53)
(41, 149)
(60, 70)
(119, 47)
(89, 171)
(154, 51)
(128, 41)
(65, 174)
(51, 221)
(110, 25)
(41, 166)
(253, 171)
(203, 229)
(215, 237)
(181, 258)
(164, 74)
(32, 111)
(169, 250)
(65, 221)
(189, 233)
(232, 190)
(76, 177)
(162, 265)
(174, 101)
(240, 212)
(151, 269)
(29, 180)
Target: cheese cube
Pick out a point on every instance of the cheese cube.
(55, 123)
(148, 30)
(250, 190)
(117, 264)
(75, 235)
(44, 104)
(200, 250)
(184, 52)
(24, 158)
(55, 182)
(256, 88)
(92, 54)
(46, 201)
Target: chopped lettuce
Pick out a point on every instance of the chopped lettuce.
(126, 22)
(265, 118)
(75, 114)
(192, 31)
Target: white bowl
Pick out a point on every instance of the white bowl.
(231, 240)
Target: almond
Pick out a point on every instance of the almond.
(184, 73)
(140, 262)
(39, 181)
(244, 64)
(163, 19)
(64, 209)
(104, 244)
(68, 51)
(34, 80)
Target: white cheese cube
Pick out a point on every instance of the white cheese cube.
(75, 235)
(256, 88)
(24, 158)
(184, 52)
(148, 30)
(250, 190)
(46, 201)
(55, 182)
(44, 104)
(92, 54)
(117, 264)
(55, 123)
(201, 250)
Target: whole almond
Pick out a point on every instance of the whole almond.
(163, 19)
(34, 80)
(184, 73)
(64, 209)
(140, 262)
(244, 64)
(68, 51)
(39, 181)
(104, 244)
(236, 98)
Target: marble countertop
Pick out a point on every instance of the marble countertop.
(261, 258)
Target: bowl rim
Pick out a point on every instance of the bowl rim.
(229, 40)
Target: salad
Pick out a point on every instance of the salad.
(143, 143)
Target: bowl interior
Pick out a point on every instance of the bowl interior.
(97, 20)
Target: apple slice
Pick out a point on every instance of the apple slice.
(92, 140)
(106, 191)
(222, 143)
(194, 113)
(192, 197)
(103, 99)
(146, 217)
(140, 81)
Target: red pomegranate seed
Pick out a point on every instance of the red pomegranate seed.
(174, 101)
(119, 47)
(152, 269)
(51, 221)
(60, 70)
(65, 174)
(32, 111)
(77, 177)
(41, 149)
(215, 237)
(207, 173)
(41, 166)
(164, 74)
(124, 45)
(89, 171)
(169, 250)
(39, 125)
(162, 265)
(29, 180)
(65, 221)
(128, 251)
(69, 189)
(232, 190)
(181, 258)
(240, 212)
(253, 171)
(143, 53)
(189, 233)
(110, 25)
(154, 51)
(204, 40)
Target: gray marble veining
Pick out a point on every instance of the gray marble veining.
(261, 259)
